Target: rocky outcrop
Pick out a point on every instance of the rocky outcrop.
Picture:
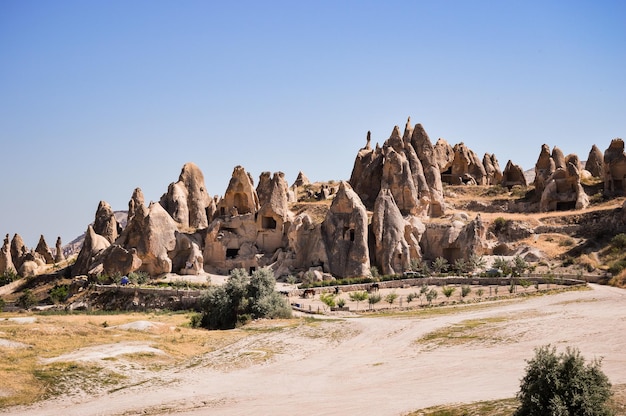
(273, 215)
(367, 173)
(187, 255)
(426, 154)
(230, 243)
(306, 244)
(118, 261)
(615, 167)
(58, 253)
(595, 162)
(492, 169)
(89, 255)
(136, 201)
(344, 232)
(444, 155)
(398, 180)
(152, 233)
(513, 175)
(559, 158)
(544, 168)
(392, 254)
(240, 197)
(6, 262)
(105, 223)
(301, 180)
(466, 167)
(187, 200)
(18, 251)
(454, 241)
(563, 189)
(44, 251)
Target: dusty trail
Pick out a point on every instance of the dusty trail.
(374, 366)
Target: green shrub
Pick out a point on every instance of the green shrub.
(242, 299)
(563, 384)
(391, 298)
(617, 267)
(619, 241)
(2, 304)
(373, 299)
(499, 224)
(341, 302)
(465, 290)
(59, 294)
(448, 290)
(27, 299)
(138, 278)
(10, 275)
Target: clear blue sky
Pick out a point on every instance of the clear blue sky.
(100, 97)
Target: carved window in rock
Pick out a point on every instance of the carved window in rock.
(231, 253)
(268, 223)
(348, 233)
(241, 203)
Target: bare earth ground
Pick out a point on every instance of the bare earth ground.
(373, 365)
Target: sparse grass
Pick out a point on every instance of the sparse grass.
(26, 380)
(463, 332)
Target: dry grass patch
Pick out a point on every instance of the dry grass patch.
(472, 330)
(26, 379)
(484, 408)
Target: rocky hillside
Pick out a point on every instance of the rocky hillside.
(408, 202)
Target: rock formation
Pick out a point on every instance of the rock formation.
(392, 253)
(513, 175)
(6, 262)
(136, 201)
(58, 253)
(301, 180)
(89, 255)
(344, 232)
(466, 167)
(595, 162)
(444, 155)
(273, 215)
(614, 168)
(18, 251)
(240, 197)
(105, 223)
(187, 200)
(425, 152)
(118, 261)
(454, 241)
(44, 251)
(544, 168)
(563, 189)
(367, 173)
(492, 169)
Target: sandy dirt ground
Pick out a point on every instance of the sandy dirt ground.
(374, 365)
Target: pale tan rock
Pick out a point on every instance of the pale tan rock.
(398, 179)
(444, 155)
(118, 261)
(58, 253)
(93, 245)
(425, 152)
(240, 197)
(18, 251)
(454, 241)
(6, 261)
(367, 173)
(595, 162)
(344, 232)
(392, 253)
(44, 251)
(273, 214)
(301, 180)
(614, 168)
(187, 256)
(563, 189)
(492, 169)
(230, 243)
(559, 158)
(306, 244)
(513, 175)
(544, 168)
(187, 201)
(105, 222)
(466, 167)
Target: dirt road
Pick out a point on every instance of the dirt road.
(375, 365)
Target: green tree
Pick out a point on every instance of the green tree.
(504, 265)
(243, 298)
(460, 266)
(440, 265)
(411, 296)
(465, 290)
(328, 299)
(519, 266)
(431, 295)
(373, 299)
(357, 297)
(59, 293)
(27, 299)
(476, 262)
(391, 298)
(563, 384)
(448, 290)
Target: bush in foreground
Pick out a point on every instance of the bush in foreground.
(241, 299)
(563, 385)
